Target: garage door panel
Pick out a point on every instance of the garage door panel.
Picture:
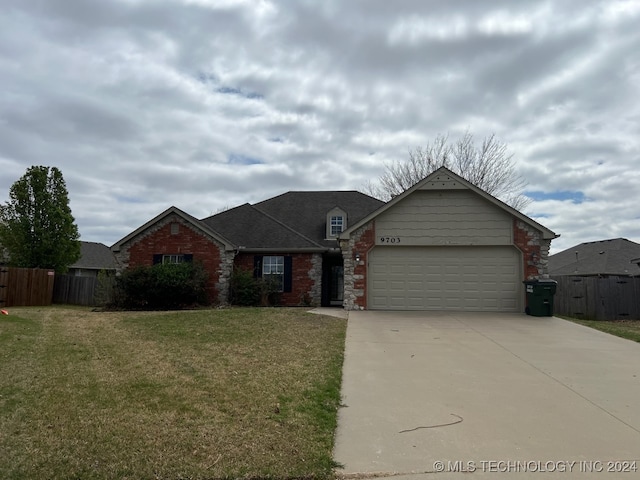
(377, 269)
(449, 278)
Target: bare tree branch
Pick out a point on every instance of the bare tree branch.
(489, 166)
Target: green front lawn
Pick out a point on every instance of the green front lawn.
(629, 329)
(191, 394)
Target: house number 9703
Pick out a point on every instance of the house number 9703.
(389, 239)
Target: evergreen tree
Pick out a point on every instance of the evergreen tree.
(37, 229)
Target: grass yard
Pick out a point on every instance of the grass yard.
(229, 393)
(629, 329)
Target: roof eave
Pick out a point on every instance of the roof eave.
(281, 250)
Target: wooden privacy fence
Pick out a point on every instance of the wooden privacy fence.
(593, 298)
(26, 287)
(74, 290)
(83, 290)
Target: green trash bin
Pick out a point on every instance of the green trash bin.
(540, 297)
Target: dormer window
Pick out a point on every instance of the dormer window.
(336, 222)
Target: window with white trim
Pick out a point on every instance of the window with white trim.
(172, 258)
(337, 225)
(273, 271)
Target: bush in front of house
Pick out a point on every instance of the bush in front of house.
(245, 290)
(105, 288)
(162, 287)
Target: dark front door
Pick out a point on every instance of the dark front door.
(332, 280)
(337, 285)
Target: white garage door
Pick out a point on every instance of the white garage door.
(445, 278)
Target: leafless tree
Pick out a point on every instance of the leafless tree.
(488, 166)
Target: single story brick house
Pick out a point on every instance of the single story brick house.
(443, 244)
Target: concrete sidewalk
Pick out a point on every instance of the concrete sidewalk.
(502, 395)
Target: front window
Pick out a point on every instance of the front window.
(273, 271)
(172, 258)
(337, 222)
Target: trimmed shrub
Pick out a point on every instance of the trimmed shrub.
(245, 290)
(162, 287)
(105, 288)
(248, 291)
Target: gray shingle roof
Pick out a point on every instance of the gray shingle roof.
(248, 227)
(95, 256)
(306, 212)
(603, 257)
(293, 220)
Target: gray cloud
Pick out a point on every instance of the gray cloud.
(204, 104)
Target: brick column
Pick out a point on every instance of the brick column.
(355, 272)
(535, 250)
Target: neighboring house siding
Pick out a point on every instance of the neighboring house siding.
(83, 272)
(306, 276)
(159, 240)
(438, 217)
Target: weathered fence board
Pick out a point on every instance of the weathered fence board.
(4, 285)
(26, 286)
(75, 290)
(610, 298)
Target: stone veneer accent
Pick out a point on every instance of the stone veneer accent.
(315, 274)
(355, 273)
(224, 275)
(535, 250)
(158, 239)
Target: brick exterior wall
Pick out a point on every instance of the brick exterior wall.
(355, 272)
(158, 239)
(306, 281)
(535, 250)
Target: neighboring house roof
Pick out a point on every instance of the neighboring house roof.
(194, 222)
(603, 257)
(95, 256)
(433, 180)
(291, 221)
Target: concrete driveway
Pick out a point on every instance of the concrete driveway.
(432, 394)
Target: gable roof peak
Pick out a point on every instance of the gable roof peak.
(197, 224)
(455, 181)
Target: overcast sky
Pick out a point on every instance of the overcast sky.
(207, 104)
